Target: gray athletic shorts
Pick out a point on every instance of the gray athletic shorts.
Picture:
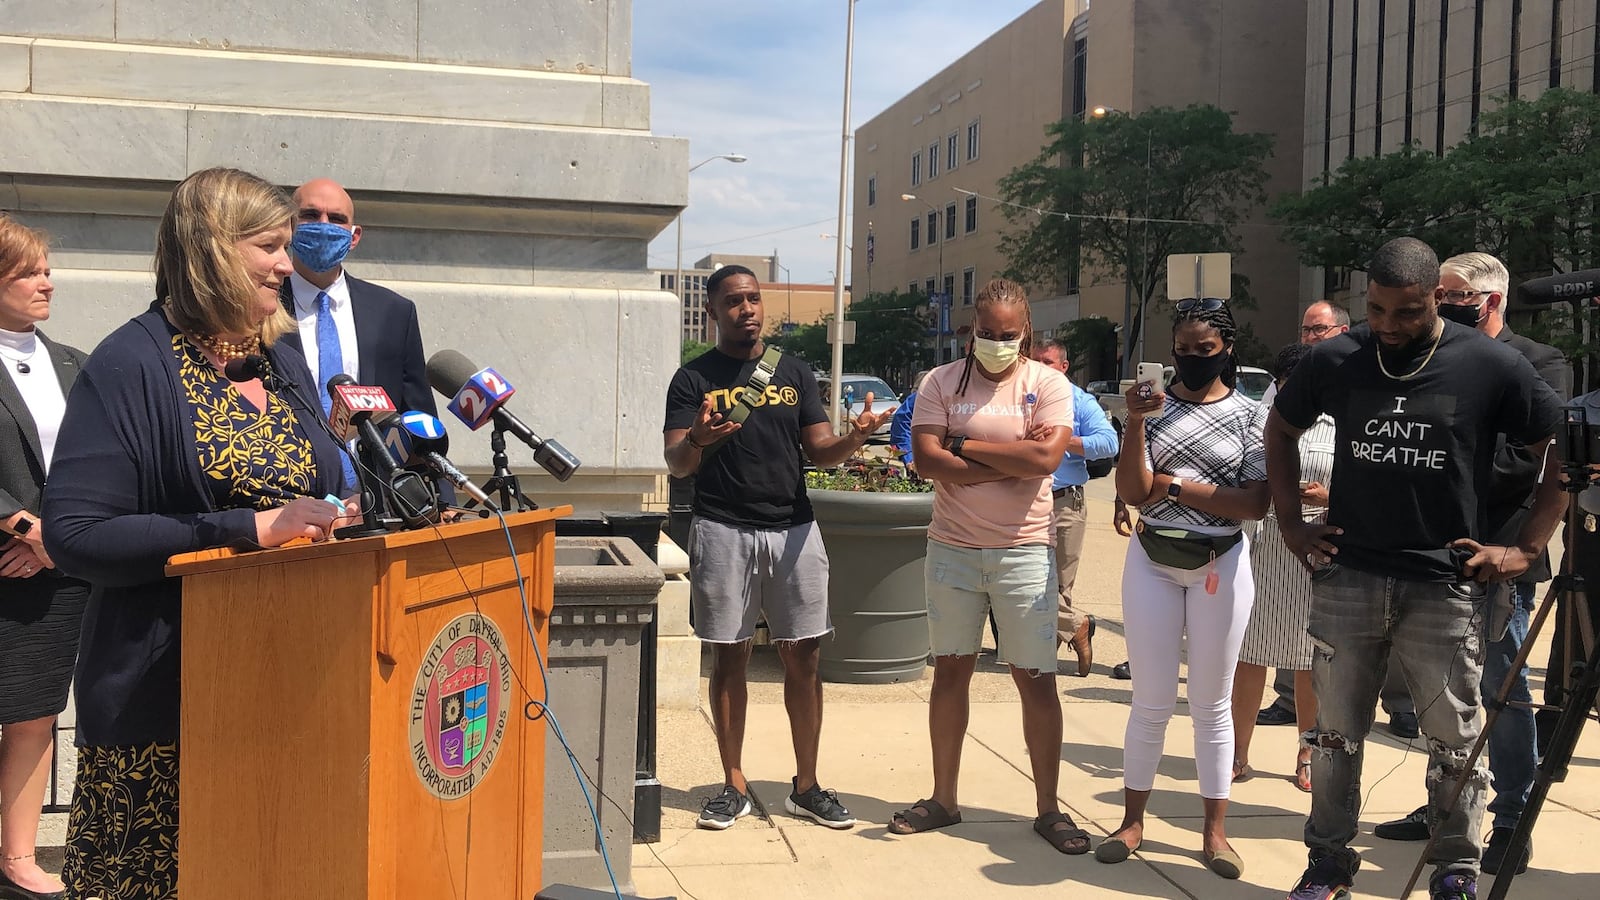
(736, 574)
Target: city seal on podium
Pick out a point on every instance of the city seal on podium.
(459, 705)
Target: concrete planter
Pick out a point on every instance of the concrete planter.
(876, 544)
(605, 596)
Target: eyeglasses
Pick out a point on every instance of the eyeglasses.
(1316, 330)
(1460, 296)
(1204, 304)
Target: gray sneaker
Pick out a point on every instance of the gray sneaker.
(724, 809)
(818, 805)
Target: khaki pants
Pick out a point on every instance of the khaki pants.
(1070, 521)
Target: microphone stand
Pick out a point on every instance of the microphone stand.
(504, 481)
(372, 522)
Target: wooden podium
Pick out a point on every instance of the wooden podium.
(354, 716)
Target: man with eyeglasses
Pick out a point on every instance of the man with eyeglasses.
(1472, 292)
(1322, 321)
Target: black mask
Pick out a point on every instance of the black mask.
(1197, 372)
(1461, 314)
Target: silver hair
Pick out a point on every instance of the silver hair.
(1482, 271)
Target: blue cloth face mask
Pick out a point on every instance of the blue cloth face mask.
(321, 245)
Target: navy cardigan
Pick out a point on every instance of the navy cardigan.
(125, 493)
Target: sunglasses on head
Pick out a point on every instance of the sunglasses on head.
(1204, 304)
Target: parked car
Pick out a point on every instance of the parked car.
(854, 395)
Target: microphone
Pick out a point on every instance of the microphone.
(478, 395)
(249, 369)
(1559, 288)
(416, 438)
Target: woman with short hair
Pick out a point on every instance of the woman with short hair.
(39, 607)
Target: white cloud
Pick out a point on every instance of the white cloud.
(766, 79)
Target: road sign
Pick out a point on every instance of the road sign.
(1199, 275)
(849, 332)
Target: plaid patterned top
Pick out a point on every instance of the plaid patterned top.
(1220, 442)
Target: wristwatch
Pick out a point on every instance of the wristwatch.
(1175, 488)
(956, 444)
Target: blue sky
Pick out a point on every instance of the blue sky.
(766, 78)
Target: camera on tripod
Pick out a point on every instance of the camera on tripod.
(1578, 438)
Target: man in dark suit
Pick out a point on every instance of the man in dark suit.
(372, 330)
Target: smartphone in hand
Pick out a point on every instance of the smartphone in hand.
(1149, 378)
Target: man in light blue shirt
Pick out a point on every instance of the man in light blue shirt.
(1092, 438)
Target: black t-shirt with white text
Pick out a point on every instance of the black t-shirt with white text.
(1414, 457)
(754, 479)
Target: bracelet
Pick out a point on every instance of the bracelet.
(689, 437)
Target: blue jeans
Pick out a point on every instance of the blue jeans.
(1436, 634)
(1513, 743)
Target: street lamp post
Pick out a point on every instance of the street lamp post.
(837, 367)
(1100, 112)
(938, 282)
(677, 282)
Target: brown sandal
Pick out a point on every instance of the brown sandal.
(1073, 841)
(932, 815)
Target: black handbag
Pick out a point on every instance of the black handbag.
(1180, 548)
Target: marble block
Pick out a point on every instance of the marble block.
(324, 84)
(455, 158)
(60, 18)
(372, 28)
(557, 35)
(93, 139)
(15, 68)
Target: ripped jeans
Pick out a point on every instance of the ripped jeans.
(1436, 631)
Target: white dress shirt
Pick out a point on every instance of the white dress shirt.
(40, 388)
(305, 314)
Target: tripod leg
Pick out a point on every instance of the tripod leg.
(1576, 704)
(1493, 715)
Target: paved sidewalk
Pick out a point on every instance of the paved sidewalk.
(875, 754)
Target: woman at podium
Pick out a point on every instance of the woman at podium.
(160, 454)
(39, 608)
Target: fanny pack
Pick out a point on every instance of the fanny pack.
(1181, 548)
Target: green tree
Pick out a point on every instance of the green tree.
(806, 342)
(1123, 192)
(891, 335)
(692, 348)
(1369, 201)
(1525, 187)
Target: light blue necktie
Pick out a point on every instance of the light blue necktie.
(330, 360)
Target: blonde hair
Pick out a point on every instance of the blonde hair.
(1482, 271)
(20, 247)
(199, 272)
(1000, 292)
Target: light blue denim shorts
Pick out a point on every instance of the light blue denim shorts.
(1018, 583)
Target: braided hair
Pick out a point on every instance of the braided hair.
(999, 292)
(1221, 319)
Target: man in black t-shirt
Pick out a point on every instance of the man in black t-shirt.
(1474, 287)
(738, 424)
(1418, 403)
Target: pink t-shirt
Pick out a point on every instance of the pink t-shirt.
(1012, 512)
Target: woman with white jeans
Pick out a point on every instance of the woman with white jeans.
(1194, 463)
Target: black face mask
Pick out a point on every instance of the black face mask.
(1461, 314)
(1197, 372)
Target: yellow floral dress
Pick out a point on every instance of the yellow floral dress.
(122, 834)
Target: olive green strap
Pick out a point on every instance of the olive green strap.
(766, 367)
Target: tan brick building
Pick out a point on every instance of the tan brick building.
(958, 133)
